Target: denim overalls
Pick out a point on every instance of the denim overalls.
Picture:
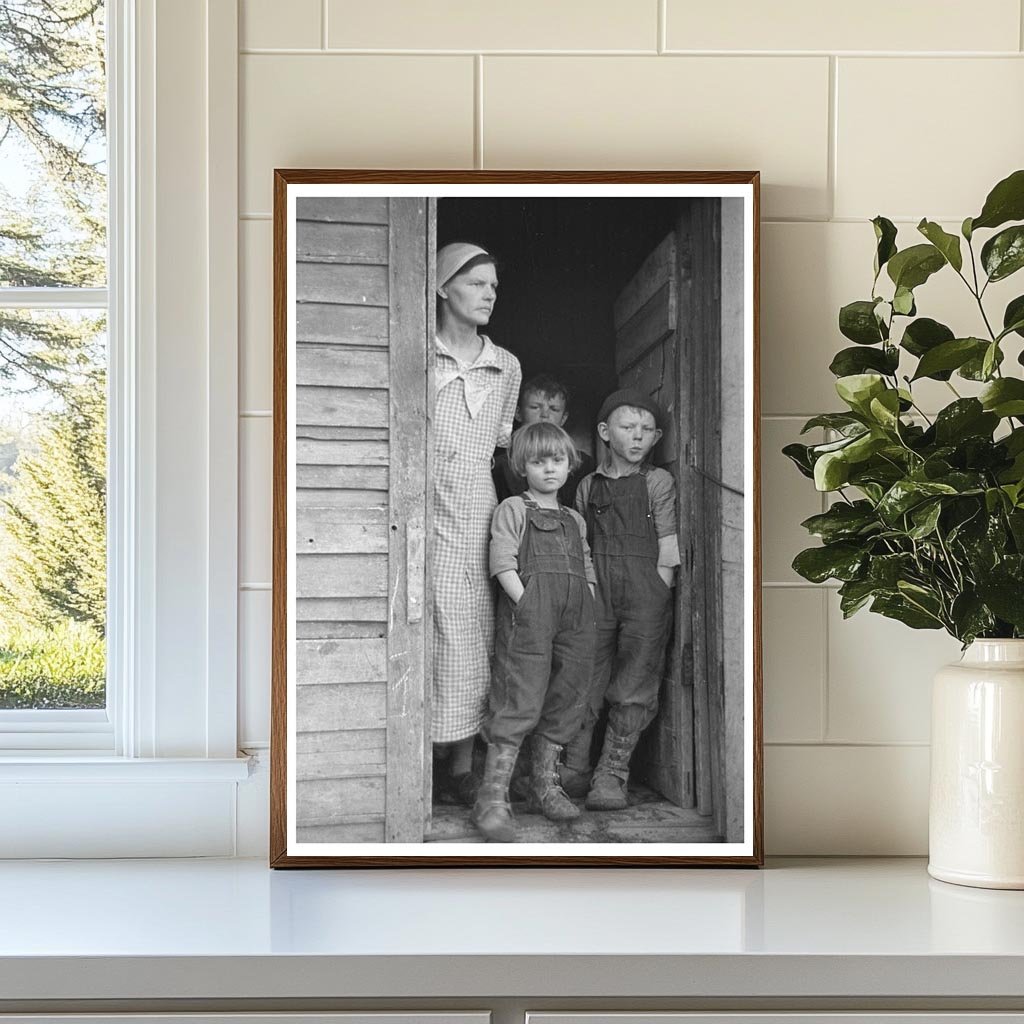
(544, 645)
(633, 611)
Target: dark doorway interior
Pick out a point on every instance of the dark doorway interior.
(562, 264)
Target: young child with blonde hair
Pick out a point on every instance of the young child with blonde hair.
(544, 641)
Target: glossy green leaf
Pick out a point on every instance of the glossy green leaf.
(925, 518)
(849, 361)
(966, 229)
(887, 570)
(885, 237)
(990, 360)
(844, 422)
(885, 409)
(923, 335)
(858, 389)
(971, 617)
(799, 455)
(1013, 316)
(1004, 397)
(1003, 254)
(947, 244)
(907, 494)
(913, 266)
(903, 302)
(964, 418)
(842, 521)
(840, 561)
(857, 322)
(831, 471)
(1005, 596)
(1005, 202)
(854, 594)
(974, 368)
(950, 355)
(902, 610)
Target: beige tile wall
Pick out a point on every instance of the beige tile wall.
(909, 110)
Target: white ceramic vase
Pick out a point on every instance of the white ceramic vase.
(976, 812)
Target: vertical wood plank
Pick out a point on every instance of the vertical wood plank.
(705, 361)
(428, 617)
(407, 263)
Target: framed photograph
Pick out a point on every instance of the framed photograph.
(516, 558)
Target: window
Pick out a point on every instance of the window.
(53, 369)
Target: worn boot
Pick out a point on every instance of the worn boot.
(575, 771)
(492, 813)
(546, 796)
(608, 789)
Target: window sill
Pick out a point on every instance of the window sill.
(74, 766)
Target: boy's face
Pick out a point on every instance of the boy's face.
(630, 433)
(536, 407)
(546, 473)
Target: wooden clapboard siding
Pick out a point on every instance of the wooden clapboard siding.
(328, 801)
(369, 831)
(342, 609)
(360, 448)
(357, 284)
(328, 531)
(364, 478)
(338, 324)
(350, 407)
(341, 366)
(341, 661)
(347, 209)
(342, 576)
(340, 706)
(338, 243)
(332, 432)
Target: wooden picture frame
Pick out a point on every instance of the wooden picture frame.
(640, 279)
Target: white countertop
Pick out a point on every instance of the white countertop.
(235, 929)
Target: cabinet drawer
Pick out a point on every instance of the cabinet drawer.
(934, 1017)
(354, 1017)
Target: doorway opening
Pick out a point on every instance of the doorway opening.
(597, 293)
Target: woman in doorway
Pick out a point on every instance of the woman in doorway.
(477, 388)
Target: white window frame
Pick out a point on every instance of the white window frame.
(171, 719)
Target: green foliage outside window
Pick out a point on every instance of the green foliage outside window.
(52, 364)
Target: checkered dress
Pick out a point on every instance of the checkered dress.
(473, 414)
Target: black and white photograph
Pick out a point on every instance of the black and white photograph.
(516, 567)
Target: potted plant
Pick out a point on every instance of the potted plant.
(927, 521)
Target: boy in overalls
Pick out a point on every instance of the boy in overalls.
(544, 641)
(630, 509)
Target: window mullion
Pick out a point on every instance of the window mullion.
(53, 298)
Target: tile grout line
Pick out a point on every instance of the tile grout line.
(833, 134)
(662, 29)
(851, 744)
(1020, 24)
(323, 24)
(768, 55)
(478, 111)
(825, 724)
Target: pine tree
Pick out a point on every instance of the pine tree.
(53, 119)
(53, 519)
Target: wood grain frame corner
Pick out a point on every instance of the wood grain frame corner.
(283, 177)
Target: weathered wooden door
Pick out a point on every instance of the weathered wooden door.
(361, 447)
(646, 315)
(668, 344)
